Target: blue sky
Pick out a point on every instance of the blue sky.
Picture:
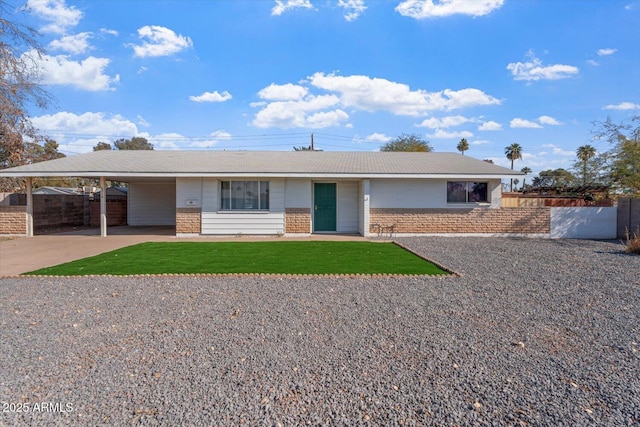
(265, 74)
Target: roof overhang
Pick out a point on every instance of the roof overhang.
(132, 176)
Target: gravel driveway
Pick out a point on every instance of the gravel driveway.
(535, 332)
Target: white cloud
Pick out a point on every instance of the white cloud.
(480, 142)
(57, 13)
(220, 134)
(561, 152)
(159, 41)
(141, 70)
(622, 106)
(296, 114)
(212, 97)
(534, 70)
(286, 92)
(326, 119)
(86, 129)
(378, 137)
(377, 94)
(76, 44)
(177, 141)
(548, 120)
(142, 121)
(286, 5)
(108, 31)
(593, 63)
(353, 8)
(490, 126)
(442, 134)
(522, 123)
(421, 9)
(607, 51)
(444, 122)
(87, 74)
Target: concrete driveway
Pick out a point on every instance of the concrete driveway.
(21, 255)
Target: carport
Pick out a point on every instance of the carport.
(151, 198)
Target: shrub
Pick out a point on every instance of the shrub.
(633, 242)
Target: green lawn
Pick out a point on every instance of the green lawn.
(250, 257)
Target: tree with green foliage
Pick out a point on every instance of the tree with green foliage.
(554, 178)
(513, 153)
(625, 155)
(526, 171)
(135, 143)
(19, 88)
(302, 148)
(584, 154)
(40, 153)
(407, 142)
(463, 146)
(102, 146)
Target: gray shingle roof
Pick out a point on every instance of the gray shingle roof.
(158, 164)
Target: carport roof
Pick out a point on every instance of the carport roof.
(114, 164)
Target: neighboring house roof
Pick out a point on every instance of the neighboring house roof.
(57, 190)
(114, 164)
(114, 191)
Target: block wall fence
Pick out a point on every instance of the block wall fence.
(472, 220)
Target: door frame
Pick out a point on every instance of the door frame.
(313, 210)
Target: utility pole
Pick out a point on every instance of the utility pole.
(312, 147)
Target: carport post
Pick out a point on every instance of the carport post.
(103, 206)
(29, 207)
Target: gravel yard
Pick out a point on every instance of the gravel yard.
(535, 332)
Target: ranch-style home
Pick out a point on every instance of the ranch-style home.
(301, 192)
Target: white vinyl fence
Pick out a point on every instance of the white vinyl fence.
(584, 223)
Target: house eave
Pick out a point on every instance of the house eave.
(112, 175)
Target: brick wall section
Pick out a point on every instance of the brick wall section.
(57, 210)
(116, 212)
(473, 220)
(297, 220)
(188, 221)
(13, 220)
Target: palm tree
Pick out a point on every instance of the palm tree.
(585, 153)
(463, 146)
(525, 170)
(513, 153)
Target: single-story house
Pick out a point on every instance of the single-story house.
(302, 192)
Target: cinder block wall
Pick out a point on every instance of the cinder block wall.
(13, 220)
(188, 220)
(474, 220)
(116, 212)
(297, 220)
(57, 210)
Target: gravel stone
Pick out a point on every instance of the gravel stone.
(534, 332)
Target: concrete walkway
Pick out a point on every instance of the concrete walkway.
(20, 255)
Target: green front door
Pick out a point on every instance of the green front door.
(324, 209)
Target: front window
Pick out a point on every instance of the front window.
(467, 192)
(245, 195)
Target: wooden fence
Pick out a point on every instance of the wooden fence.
(628, 215)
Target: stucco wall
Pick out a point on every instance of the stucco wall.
(584, 223)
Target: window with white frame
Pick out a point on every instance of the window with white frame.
(467, 192)
(245, 195)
